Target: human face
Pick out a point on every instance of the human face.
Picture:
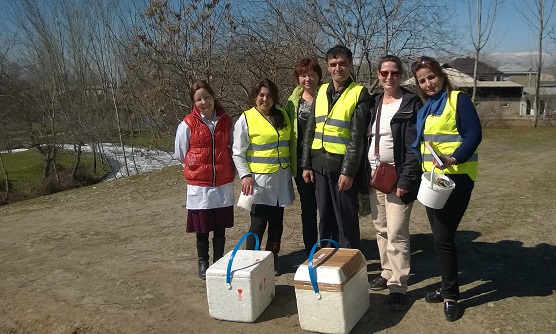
(340, 69)
(264, 100)
(309, 80)
(203, 101)
(429, 83)
(391, 80)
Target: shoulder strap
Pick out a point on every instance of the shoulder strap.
(377, 127)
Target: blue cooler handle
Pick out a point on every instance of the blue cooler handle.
(236, 248)
(312, 271)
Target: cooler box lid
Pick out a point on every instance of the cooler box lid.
(334, 267)
(244, 265)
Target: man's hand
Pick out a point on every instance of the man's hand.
(308, 176)
(345, 182)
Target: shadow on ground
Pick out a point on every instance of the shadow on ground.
(498, 270)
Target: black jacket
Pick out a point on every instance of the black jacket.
(404, 133)
(326, 163)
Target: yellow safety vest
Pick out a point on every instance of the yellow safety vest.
(333, 129)
(269, 149)
(443, 132)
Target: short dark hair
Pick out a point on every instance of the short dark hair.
(306, 64)
(339, 50)
(392, 58)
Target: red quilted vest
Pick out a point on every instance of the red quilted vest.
(208, 162)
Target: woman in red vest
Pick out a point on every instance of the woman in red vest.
(203, 145)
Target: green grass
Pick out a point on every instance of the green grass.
(25, 169)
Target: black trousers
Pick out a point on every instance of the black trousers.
(261, 215)
(444, 223)
(338, 211)
(308, 212)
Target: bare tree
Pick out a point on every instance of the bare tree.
(372, 29)
(540, 12)
(484, 19)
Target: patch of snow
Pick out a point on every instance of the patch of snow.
(139, 159)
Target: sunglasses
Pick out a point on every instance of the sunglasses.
(394, 74)
(422, 61)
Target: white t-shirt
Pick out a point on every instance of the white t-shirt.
(386, 142)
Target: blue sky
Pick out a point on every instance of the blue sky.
(511, 31)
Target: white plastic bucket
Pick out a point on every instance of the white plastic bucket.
(431, 194)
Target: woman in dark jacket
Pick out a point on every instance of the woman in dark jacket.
(396, 111)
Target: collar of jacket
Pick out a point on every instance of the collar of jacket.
(408, 99)
(218, 110)
(296, 94)
(331, 90)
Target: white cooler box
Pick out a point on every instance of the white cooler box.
(250, 289)
(341, 296)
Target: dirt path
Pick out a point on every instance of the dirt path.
(114, 258)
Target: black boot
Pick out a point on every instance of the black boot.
(250, 242)
(203, 261)
(274, 247)
(218, 248)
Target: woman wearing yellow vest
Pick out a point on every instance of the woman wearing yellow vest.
(448, 119)
(261, 154)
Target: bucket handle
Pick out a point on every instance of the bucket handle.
(432, 176)
(236, 248)
(312, 271)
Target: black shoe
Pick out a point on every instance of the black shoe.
(451, 310)
(397, 301)
(378, 284)
(434, 297)
(277, 271)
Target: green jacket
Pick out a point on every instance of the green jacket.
(291, 108)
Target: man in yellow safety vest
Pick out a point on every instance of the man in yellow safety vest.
(333, 148)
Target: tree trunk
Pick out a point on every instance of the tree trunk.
(6, 195)
(539, 66)
(77, 148)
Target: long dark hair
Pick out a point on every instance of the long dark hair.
(276, 116)
(434, 66)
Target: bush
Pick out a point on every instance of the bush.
(51, 185)
(490, 115)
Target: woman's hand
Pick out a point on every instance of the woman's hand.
(400, 192)
(247, 185)
(447, 161)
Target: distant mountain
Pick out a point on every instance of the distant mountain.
(525, 59)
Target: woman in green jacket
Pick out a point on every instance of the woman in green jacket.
(308, 74)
